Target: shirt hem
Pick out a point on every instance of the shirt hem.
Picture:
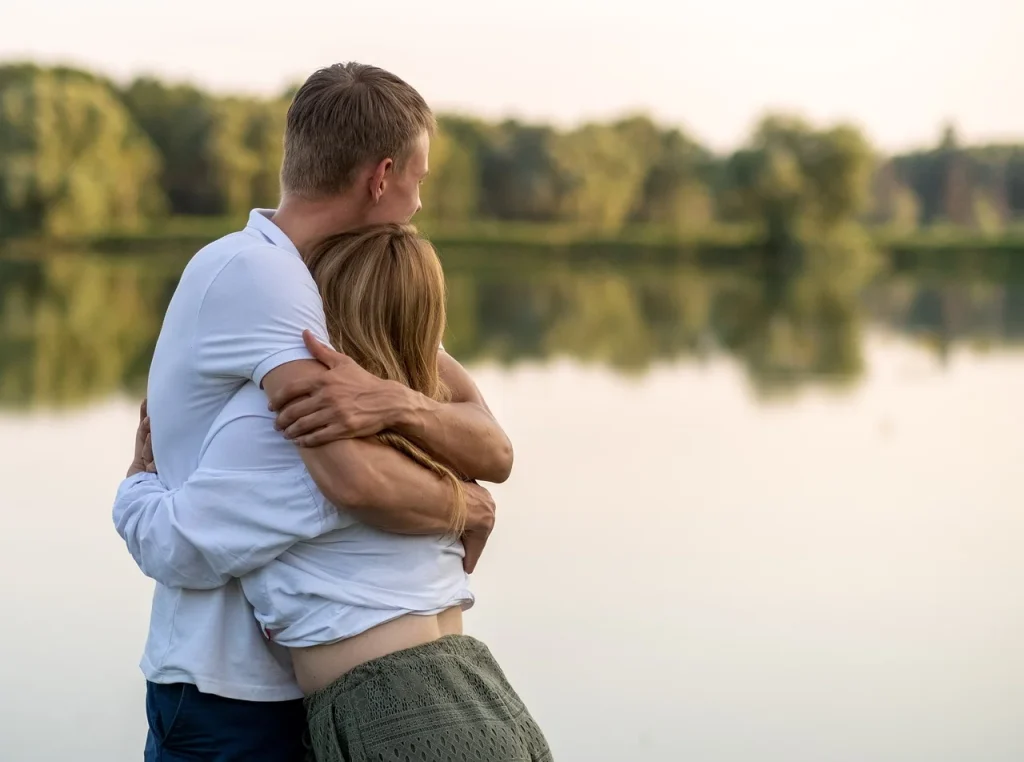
(222, 688)
(130, 481)
(465, 601)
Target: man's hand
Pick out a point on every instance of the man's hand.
(334, 399)
(343, 402)
(479, 523)
(143, 458)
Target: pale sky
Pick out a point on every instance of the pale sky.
(899, 68)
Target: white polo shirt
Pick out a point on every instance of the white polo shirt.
(238, 312)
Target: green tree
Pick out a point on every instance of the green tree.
(601, 176)
(178, 120)
(451, 192)
(221, 155)
(798, 182)
(675, 194)
(266, 139)
(72, 160)
(894, 205)
(985, 213)
(244, 151)
(519, 176)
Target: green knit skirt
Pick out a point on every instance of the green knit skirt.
(444, 701)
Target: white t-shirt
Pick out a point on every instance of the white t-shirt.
(233, 498)
(238, 312)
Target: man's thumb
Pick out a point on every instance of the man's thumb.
(320, 351)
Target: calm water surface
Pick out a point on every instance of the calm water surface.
(684, 568)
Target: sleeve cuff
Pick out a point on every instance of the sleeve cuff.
(130, 481)
(278, 359)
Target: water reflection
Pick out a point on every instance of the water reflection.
(838, 580)
(76, 326)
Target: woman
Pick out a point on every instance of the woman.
(373, 620)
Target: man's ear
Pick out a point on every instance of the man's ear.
(380, 177)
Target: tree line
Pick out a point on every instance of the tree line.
(81, 155)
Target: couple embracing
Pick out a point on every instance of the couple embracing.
(311, 516)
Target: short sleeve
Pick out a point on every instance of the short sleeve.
(253, 315)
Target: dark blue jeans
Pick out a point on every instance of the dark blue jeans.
(185, 724)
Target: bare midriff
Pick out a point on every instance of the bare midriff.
(317, 667)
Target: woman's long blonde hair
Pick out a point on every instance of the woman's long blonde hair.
(384, 297)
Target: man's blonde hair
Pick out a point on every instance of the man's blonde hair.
(343, 118)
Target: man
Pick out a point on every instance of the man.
(356, 146)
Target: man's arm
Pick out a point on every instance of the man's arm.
(344, 402)
(228, 520)
(462, 433)
(378, 484)
(218, 525)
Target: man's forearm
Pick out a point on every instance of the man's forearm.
(463, 435)
(220, 524)
(141, 515)
(387, 490)
(317, 407)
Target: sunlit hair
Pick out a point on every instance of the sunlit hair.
(384, 297)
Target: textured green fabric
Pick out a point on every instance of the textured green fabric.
(444, 701)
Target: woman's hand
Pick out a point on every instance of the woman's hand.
(143, 459)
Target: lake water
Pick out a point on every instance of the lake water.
(747, 523)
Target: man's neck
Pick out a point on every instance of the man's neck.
(308, 222)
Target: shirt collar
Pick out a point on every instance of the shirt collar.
(260, 223)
